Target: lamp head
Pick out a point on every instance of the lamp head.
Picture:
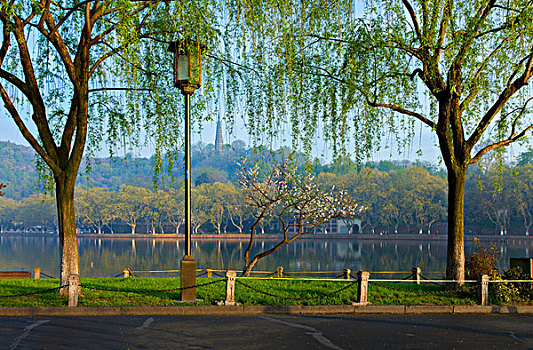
(187, 64)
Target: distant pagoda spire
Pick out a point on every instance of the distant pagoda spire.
(219, 141)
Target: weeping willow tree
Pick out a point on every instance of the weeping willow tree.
(473, 60)
(361, 71)
(74, 73)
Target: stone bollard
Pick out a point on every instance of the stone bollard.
(209, 272)
(126, 273)
(362, 287)
(280, 271)
(230, 287)
(417, 272)
(37, 273)
(346, 274)
(483, 290)
(188, 279)
(73, 289)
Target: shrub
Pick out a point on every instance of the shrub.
(503, 292)
(482, 261)
(509, 292)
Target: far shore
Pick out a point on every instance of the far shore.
(271, 237)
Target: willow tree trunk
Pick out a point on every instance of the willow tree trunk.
(70, 261)
(455, 263)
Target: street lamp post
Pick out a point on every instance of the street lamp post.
(187, 77)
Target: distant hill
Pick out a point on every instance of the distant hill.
(17, 170)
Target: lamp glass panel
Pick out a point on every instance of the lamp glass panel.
(196, 69)
(182, 68)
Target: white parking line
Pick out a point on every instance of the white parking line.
(313, 331)
(146, 323)
(26, 332)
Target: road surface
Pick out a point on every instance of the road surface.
(269, 332)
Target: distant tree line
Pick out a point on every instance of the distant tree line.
(399, 200)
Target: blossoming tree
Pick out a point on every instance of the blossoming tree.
(295, 200)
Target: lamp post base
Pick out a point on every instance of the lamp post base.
(188, 279)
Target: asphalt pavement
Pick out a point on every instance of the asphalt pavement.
(294, 332)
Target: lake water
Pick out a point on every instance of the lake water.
(108, 257)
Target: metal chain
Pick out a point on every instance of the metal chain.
(295, 298)
(122, 274)
(112, 290)
(408, 277)
(445, 292)
(44, 274)
(425, 278)
(403, 279)
(32, 293)
(152, 291)
(271, 274)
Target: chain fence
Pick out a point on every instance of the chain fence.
(427, 279)
(271, 274)
(316, 297)
(44, 291)
(420, 292)
(151, 290)
(346, 276)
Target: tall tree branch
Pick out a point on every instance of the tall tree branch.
(26, 133)
(471, 33)
(75, 8)
(33, 92)
(503, 98)
(474, 89)
(518, 67)
(6, 43)
(60, 47)
(446, 13)
(401, 110)
(118, 89)
(412, 14)
(113, 27)
(506, 142)
(19, 84)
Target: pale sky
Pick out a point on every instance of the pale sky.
(9, 131)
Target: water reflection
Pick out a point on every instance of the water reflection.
(108, 257)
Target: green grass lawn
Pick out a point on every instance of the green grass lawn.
(147, 291)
